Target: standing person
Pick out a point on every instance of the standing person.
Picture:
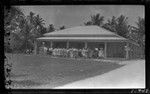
(71, 53)
(50, 51)
(44, 49)
(68, 50)
(101, 53)
(85, 52)
(90, 53)
(95, 55)
(80, 52)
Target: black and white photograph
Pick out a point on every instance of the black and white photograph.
(74, 46)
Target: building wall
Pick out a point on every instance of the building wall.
(116, 50)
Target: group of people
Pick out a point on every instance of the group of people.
(74, 52)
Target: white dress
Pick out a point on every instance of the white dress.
(100, 53)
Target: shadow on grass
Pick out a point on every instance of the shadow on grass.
(57, 71)
(16, 76)
(76, 75)
(25, 83)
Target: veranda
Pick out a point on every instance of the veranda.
(90, 37)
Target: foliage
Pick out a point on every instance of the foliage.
(39, 25)
(51, 28)
(12, 18)
(95, 20)
(122, 26)
(14, 42)
(11, 13)
(118, 25)
(137, 33)
(33, 28)
(111, 24)
(62, 27)
(24, 29)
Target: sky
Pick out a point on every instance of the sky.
(76, 15)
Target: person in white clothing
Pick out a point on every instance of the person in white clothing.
(101, 53)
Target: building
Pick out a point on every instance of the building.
(91, 37)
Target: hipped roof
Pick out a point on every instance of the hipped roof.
(82, 33)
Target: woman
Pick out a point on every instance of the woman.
(95, 53)
(101, 53)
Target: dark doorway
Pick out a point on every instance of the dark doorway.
(78, 45)
(59, 44)
(93, 45)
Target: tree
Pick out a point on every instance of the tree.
(15, 42)
(122, 26)
(11, 39)
(11, 13)
(62, 27)
(137, 34)
(28, 28)
(12, 17)
(111, 24)
(95, 20)
(51, 28)
(118, 25)
(88, 23)
(32, 28)
(39, 28)
(141, 26)
(141, 33)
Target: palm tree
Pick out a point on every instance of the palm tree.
(51, 28)
(88, 23)
(32, 28)
(137, 34)
(111, 24)
(27, 27)
(141, 26)
(39, 25)
(141, 33)
(96, 20)
(31, 18)
(118, 25)
(122, 26)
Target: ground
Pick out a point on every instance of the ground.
(32, 71)
(130, 76)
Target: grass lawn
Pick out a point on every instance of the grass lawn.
(35, 70)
